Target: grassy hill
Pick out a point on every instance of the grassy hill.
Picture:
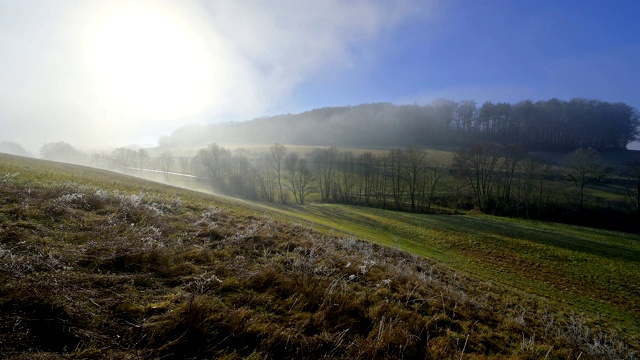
(99, 265)
(560, 262)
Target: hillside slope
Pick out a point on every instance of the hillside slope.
(100, 265)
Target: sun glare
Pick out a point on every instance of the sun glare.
(148, 62)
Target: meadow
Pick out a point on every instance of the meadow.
(95, 264)
(581, 268)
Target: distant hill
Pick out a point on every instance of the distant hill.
(543, 125)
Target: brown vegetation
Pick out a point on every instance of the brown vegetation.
(90, 272)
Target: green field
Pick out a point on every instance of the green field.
(587, 270)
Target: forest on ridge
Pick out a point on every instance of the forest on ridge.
(543, 125)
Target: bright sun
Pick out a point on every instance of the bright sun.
(147, 62)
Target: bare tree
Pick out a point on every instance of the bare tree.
(241, 177)
(299, 177)
(291, 175)
(366, 176)
(395, 163)
(380, 180)
(213, 164)
(345, 178)
(533, 170)
(305, 180)
(276, 160)
(120, 158)
(166, 161)
(265, 180)
(480, 164)
(584, 166)
(433, 174)
(513, 155)
(414, 167)
(325, 163)
(139, 158)
(101, 160)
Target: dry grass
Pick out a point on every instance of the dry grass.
(91, 272)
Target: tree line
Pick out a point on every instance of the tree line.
(489, 177)
(543, 125)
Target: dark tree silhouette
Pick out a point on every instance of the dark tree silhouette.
(480, 165)
(584, 166)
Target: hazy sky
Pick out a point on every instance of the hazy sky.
(112, 73)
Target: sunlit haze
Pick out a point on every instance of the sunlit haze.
(150, 62)
(114, 73)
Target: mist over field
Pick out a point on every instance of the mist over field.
(543, 125)
(101, 75)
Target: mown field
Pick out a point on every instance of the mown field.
(584, 269)
(100, 265)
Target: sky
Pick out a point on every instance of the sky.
(103, 74)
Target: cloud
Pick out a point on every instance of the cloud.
(286, 42)
(252, 55)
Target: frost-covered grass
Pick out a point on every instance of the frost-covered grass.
(97, 265)
(582, 269)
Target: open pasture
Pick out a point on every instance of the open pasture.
(584, 269)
